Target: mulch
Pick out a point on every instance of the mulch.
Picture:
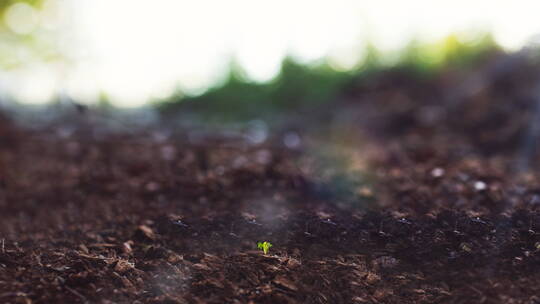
(424, 211)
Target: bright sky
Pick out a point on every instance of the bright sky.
(134, 50)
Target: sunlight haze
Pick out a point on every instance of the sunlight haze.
(135, 51)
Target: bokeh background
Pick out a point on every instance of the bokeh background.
(134, 53)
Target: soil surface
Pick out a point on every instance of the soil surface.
(396, 196)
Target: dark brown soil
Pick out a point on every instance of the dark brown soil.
(422, 214)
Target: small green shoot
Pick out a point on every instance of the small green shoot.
(264, 246)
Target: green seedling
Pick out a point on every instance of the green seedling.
(264, 246)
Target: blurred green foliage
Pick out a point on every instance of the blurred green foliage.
(4, 4)
(300, 86)
(240, 98)
(18, 49)
(451, 52)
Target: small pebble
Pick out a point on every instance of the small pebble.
(292, 140)
(480, 186)
(437, 172)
